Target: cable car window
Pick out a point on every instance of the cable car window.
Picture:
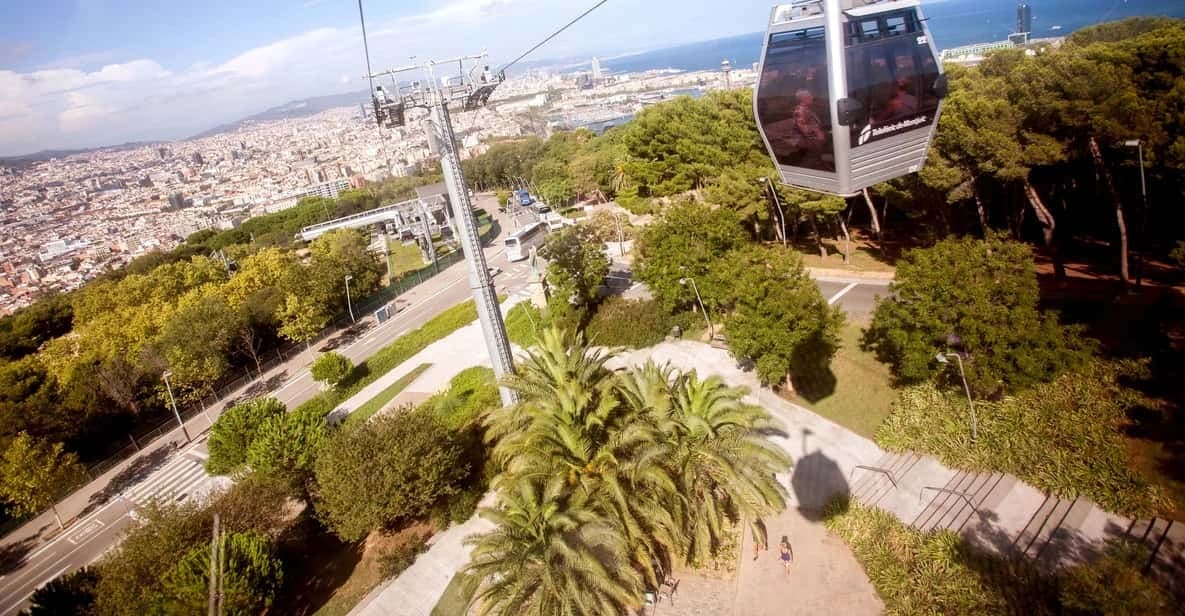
(894, 80)
(793, 102)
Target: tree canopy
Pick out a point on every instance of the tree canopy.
(231, 436)
(394, 467)
(978, 298)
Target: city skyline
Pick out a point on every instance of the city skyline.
(71, 77)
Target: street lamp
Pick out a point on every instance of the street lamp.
(349, 306)
(173, 401)
(942, 359)
(1139, 146)
(620, 234)
(781, 215)
(711, 330)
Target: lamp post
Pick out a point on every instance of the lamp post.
(942, 359)
(711, 330)
(781, 215)
(620, 234)
(1138, 144)
(173, 401)
(349, 305)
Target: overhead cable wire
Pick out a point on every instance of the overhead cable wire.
(553, 35)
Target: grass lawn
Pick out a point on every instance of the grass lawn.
(864, 258)
(404, 258)
(456, 597)
(373, 405)
(399, 351)
(862, 392)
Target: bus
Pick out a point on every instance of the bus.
(518, 245)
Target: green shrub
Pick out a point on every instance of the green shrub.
(396, 466)
(1062, 437)
(523, 324)
(917, 572)
(913, 572)
(232, 434)
(460, 507)
(331, 368)
(621, 322)
(1113, 584)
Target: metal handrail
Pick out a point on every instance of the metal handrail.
(875, 469)
(963, 495)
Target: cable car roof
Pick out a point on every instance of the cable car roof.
(880, 7)
(800, 9)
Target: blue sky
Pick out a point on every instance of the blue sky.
(91, 72)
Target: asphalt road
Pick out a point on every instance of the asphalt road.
(171, 469)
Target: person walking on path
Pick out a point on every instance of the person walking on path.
(787, 554)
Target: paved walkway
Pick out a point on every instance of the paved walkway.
(992, 510)
(448, 356)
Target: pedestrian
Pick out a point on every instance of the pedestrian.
(787, 554)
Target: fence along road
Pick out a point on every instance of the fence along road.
(34, 553)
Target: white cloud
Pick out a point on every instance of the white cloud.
(82, 112)
(80, 61)
(264, 60)
(63, 105)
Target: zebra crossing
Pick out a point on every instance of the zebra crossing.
(175, 483)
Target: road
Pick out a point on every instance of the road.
(172, 470)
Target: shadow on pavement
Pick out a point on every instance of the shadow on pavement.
(12, 555)
(815, 481)
(130, 476)
(258, 388)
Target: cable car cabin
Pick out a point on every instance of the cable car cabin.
(849, 92)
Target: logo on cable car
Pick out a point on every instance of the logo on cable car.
(868, 132)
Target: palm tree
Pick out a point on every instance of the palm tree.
(723, 461)
(571, 423)
(551, 553)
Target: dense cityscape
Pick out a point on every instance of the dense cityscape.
(66, 220)
(878, 310)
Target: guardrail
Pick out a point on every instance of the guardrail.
(875, 469)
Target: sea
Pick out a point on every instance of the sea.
(952, 23)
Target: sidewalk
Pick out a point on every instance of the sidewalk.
(996, 512)
(448, 356)
(993, 511)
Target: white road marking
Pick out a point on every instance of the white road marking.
(84, 531)
(835, 298)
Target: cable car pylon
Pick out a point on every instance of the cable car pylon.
(471, 92)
